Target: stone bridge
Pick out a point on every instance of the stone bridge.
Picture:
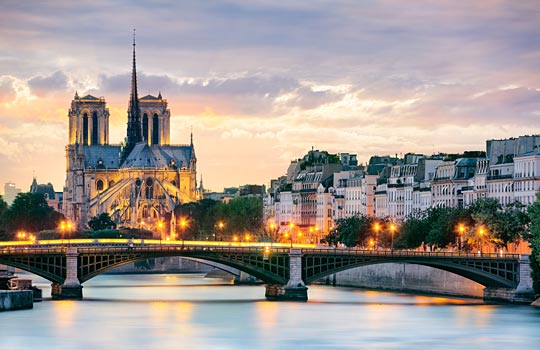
(286, 271)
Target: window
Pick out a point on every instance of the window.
(99, 185)
(85, 129)
(145, 127)
(95, 128)
(155, 130)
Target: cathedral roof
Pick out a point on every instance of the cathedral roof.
(101, 156)
(89, 97)
(158, 156)
(150, 97)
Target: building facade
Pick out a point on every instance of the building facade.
(136, 182)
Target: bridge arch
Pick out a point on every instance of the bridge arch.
(51, 268)
(271, 270)
(488, 273)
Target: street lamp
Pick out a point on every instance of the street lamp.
(461, 230)
(183, 225)
(376, 227)
(272, 233)
(481, 233)
(392, 230)
(220, 226)
(291, 226)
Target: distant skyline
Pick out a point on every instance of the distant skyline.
(262, 82)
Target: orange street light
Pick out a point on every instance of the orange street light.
(461, 230)
(183, 225)
(376, 227)
(220, 226)
(481, 233)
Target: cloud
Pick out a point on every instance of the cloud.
(7, 91)
(44, 85)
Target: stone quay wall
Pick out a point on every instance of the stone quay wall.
(407, 277)
(16, 299)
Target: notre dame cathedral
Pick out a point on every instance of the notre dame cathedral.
(137, 182)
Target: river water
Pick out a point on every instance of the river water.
(164, 312)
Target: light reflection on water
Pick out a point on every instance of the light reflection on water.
(192, 312)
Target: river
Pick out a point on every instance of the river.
(165, 311)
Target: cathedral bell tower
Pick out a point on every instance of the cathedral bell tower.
(88, 121)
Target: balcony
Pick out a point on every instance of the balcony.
(499, 177)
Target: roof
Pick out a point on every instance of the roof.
(89, 97)
(466, 161)
(102, 156)
(159, 156)
(149, 97)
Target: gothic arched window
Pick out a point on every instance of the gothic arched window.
(85, 129)
(99, 185)
(94, 129)
(145, 127)
(155, 130)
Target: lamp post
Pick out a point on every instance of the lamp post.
(291, 226)
(376, 227)
(392, 230)
(481, 233)
(183, 224)
(461, 230)
(272, 233)
(220, 226)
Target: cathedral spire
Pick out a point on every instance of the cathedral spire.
(134, 130)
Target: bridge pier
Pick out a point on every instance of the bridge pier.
(295, 290)
(522, 294)
(71, 288)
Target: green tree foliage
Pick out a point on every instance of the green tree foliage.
(102, 221)
(3, 229)
(239, 216)
(412, 233)
(30, 212)
(443, 223)
(503, 225)
(533, 237)
(352, 232)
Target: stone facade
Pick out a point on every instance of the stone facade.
(137, 182)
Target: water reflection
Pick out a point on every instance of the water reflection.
(192, 312)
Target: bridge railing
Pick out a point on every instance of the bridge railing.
(155, 248)
(407, 253)
(32, 250)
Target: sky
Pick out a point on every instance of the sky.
(261, 82)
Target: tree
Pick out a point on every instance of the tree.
(502, 225)
(413, 233)
(533, 237)
(3, 209)
(353, 231)
(30, 212)
(443, 223)
(102, 221)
